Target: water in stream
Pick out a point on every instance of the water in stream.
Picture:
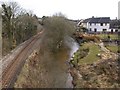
(58, 69)
(74, 47)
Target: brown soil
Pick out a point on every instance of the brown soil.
(44, 71)
(105, 74)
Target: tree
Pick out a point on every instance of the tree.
(10, 11)
(57, 28)
(18, 24)
(82, 29)
(26, 27)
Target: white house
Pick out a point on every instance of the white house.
(97, 24)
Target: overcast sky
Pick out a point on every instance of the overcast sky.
(73, 9)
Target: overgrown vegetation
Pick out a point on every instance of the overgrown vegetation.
(57, 29)
(48, 68)
(102, 75)
(18, 25)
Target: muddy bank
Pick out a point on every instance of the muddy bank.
(41, 72)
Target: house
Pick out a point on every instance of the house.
(114, 25)
(97, 24)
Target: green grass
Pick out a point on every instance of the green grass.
(105, 36)
(112, 48)
(84, 45)
(92, 55)
(82, 52)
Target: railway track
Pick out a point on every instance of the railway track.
(13, 68)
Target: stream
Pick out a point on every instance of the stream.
(58, 67)
(74, 47)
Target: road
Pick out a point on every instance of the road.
(12, 64)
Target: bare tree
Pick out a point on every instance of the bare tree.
(10, 11)
(57, 28)
(18, 24)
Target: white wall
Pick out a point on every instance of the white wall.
(99, 27)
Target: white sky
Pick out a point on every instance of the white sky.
(73, 9)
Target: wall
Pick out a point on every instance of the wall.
(99, 27)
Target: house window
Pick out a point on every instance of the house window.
(104, 30)
(101, 24)
(105, 24)
(116, 30)
(90, 29)
(112, 30)
(90, 24)
(95, 30)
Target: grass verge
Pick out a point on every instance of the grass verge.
(112, 48)
(92, 55)
(105, 36)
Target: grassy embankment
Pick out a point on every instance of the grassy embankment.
(105, 36)
(102, 75)
(112, 48)
(87, 53)
(92, 54)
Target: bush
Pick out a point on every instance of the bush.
(57, 28)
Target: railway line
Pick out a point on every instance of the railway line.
(12, 69)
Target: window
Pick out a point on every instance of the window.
(105, 24)
(101, 24)
(116, 30)
(111, 30)
(104, 30)
(90, 29)
(95, 30)
(90, 24)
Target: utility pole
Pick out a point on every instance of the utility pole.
(118, 10)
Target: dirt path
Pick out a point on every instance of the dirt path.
(107, 54)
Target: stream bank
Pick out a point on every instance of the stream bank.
(103, 73)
